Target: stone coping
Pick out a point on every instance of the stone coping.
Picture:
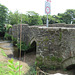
(60, 25)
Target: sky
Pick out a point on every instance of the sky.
(57, 6)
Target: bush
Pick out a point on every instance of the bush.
(7, 36)
(24, 47)
(14, 68)
(8, 26)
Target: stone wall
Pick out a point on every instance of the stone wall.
(54, 44)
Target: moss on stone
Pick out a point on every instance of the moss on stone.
(49, 62)
(53, 40)
(52, 32)
(46, 39)
(53, 58)
(45, 47)
(60, 36)
(39, 61)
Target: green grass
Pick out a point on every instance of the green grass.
(3, 69)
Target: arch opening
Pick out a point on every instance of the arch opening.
(33, 46)
(31, 50)
(71, 67)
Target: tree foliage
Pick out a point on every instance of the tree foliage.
(3, 16)
(14, 18)
(30, 18)
(67, 16)
(34, 18)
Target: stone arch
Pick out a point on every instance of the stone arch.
(32, 40)
(68, 63)
(33, 44)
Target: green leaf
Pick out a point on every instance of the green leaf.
(17, 73)
(10, 61)
(21, 66)
(11, 67)
(17, 68)
(12, 73)
(17, 63)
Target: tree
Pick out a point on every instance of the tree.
(24, 18)
(51, 19)
(34, 18)
(14, 18)
(44, 19)
(3, 18)
(67, 16)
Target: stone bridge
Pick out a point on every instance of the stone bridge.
(55, 45)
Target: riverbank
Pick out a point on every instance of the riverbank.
(4, 60)
(8, 49)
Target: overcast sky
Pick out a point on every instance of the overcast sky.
(57, 6)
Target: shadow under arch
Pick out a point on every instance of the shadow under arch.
(33, 46)
(70, 67)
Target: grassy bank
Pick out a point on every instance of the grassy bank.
(5, 69)
(8, 66)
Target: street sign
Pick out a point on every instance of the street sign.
(48, 0)
(47, 7)
(47, 10)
